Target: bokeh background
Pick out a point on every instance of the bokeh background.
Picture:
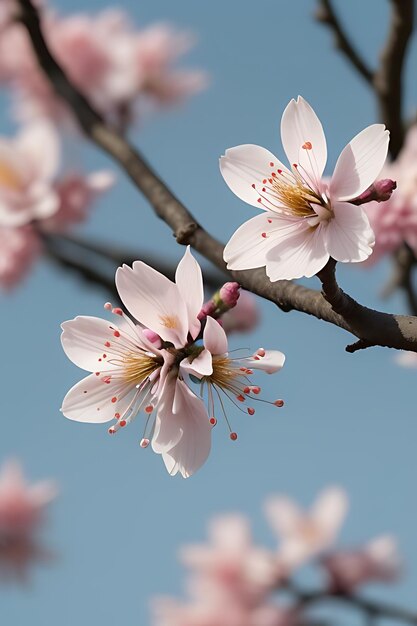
(349, 419)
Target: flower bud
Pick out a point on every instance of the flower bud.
(380, 191)
(229, 294)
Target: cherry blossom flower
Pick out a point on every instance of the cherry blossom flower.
(305, 220)
(378, 561)
(153, 366)
(28, 164)
(304, 535)
(20, 247)
(113, 64)
(22, 509)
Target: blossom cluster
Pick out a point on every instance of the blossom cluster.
(233, 581)
(121, 70)
(163, 361)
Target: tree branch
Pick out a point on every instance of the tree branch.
(388, 81)
(369, 607)
(395, 331)
(328, 16)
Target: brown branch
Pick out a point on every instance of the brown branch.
(376, 328)
(369, 607)
(388, 81)
(119, 255)
(328, 16)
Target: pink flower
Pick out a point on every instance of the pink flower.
(244, 317)
(230, 568)
(28, 164)
(110, 62)
(395, 221)
(134, 369)
(168, 612)
(19, 248)
(76, 193)
(304, 535)
(305, 221)
(22, 509)
(406, 359)
(377, 561)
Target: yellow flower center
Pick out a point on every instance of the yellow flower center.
(9, 177)
(138, 366)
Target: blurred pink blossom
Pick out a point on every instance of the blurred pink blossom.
(377, 561)
(19, 249)
(395, 221)
(115, 66)
(168, 612)
(76, 193)
(22, 509)
(406, 359)
(28, 164)
(305, 535)
(230, 567)
(244, 317)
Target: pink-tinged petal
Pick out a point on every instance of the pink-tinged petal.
(96, 401)
(214, 337)
(249, 245)
(247, 165)
(168, 426)
(194, 446)
(360, 163)
(301, 253)
(271, 362)
(154, 301)
(303, 139)
(85, 340)
(230, 533)
(38, 142)
(329, 511)
(349, 236)
(190, 285)
(283, 515)
(200, 366)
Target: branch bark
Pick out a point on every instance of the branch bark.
(372, 327)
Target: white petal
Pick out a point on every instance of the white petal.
(247, 165)
(168, 426)
(154, 301)
(46, 204)
(248, 246)
(92, 400)
(272, 362)
(283, 515)
(349, 236)
(190, 284)
(200, 366)
(214, 337)
(39, 143)
(359, 163)
(194, 446)
(300, 127)
(84, 339)
(330, 510)
(301, 253)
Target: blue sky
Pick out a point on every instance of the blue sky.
(349, 419)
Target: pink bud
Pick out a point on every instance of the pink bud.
(229, 294)
(244, 317)
(152, 336)
(380, 191)
(209, 308)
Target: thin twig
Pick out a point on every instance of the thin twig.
(369, 607)
(395, 331)
(328, 16)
